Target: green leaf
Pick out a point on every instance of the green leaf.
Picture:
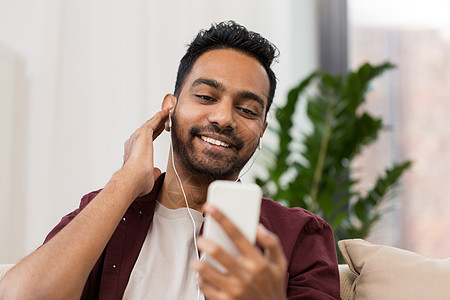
(315, 171)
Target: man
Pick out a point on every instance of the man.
(134, 238)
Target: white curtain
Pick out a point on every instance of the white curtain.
(93, 71)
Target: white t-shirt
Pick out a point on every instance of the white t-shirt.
(162, 268)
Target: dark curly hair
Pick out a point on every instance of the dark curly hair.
(231, 35)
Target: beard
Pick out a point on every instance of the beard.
(208, 164)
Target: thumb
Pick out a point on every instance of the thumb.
(156, 173)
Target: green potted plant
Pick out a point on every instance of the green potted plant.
(318, 177)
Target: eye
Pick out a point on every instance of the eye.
(205, 98)
(247, 112)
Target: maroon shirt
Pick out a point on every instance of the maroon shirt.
(307, 242)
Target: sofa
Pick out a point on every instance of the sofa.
(383, 272)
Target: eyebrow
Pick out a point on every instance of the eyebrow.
(211, 82)
(219, 86)
(252, 96)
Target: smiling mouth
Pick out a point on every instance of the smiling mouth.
(214, 142)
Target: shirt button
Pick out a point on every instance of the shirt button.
(140, 212)
(114, 266)
(124, 219)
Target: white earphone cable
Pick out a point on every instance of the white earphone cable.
(187, 204)
(185, 199)
(251, 165)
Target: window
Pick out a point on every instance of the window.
(414, 100)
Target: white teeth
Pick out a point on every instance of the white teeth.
(214, 142)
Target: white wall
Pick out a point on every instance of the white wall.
(95, 71)
(12, 135)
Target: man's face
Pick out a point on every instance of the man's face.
(220, 114)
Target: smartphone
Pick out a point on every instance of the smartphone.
(241, 203)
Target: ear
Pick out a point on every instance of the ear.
(168, 102)
(264, 129)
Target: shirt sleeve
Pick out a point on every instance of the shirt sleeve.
(313, 269)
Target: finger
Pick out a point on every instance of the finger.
(156, 123)
(207, 272)
(219, 254)
(241, 242)
(127, 148)
(210, 291)
(156, 173)
(271, 244)
(157, 132)
(125, 152)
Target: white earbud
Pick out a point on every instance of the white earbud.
(260, 143)
(170, 120)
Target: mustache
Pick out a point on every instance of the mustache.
(236, 141)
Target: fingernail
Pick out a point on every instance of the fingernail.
(208, 208)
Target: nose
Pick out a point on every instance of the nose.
(222, 114)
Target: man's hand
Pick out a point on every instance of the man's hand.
(138, 153)
(59, 268)
(254, 275)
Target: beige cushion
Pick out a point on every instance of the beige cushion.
(391, 273)
(346, 277)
